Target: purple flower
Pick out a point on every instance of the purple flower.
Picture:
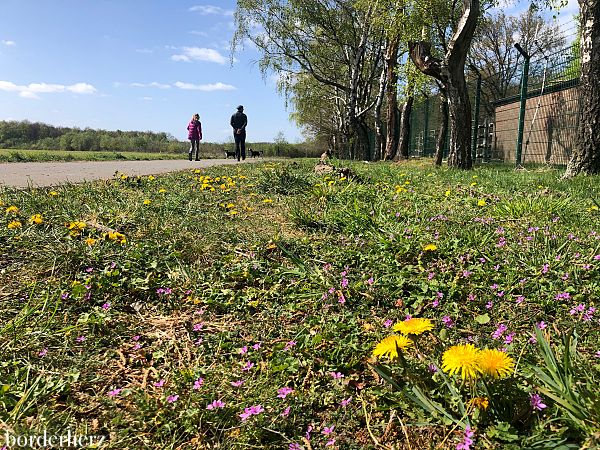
(198, 326)
(328, 430)
(114, 392)
(256, 346)
(467, 440)
(294, 446)
(341, 298)
(243, 350)
(499, 331)
(346, 401)
(172, 398)
(536, 402)
(215, 404)
(135, 338)
(432, 368)
(289, 345)
(489, 304)
(251, 411)
(448, 321)
(80, 338)
(435, 303)
(370, 281)
(286, 412)
(160, 383)
(545, 268)
(541, 325)
(284, 392)
(508, 339)
(344, 283)
(330, 442)
(520, 299)
(106, 306)
(388, 323)
(237, 383)
(43, 352)
(336, 375)
(198, 383)
(249, 365)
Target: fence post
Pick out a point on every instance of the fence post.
(522, 107)
(475, 137)
(426, 127)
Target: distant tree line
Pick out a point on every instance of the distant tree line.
(41, 136)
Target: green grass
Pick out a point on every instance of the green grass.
(312, 272)
(7, 155)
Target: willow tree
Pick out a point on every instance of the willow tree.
(328, 40)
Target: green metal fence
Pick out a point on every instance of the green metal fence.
(536, 127)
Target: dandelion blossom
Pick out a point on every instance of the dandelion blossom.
(413, 326)
(495, 363)
(430, 248)
(390, 345)
(461, 359)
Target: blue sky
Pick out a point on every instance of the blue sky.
(133, 65)
(139, 65)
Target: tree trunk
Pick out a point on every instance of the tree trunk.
(459, 108)
(405, 127)
(379, 138)
(586, 156)
(391, 93)
(451, 72)
(443, 130)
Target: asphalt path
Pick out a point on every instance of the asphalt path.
(43, 174)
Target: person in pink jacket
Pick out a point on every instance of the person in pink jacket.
(195, 136)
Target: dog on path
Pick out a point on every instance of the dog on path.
(228, 154)
(255, 153)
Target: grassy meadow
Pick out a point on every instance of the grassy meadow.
(263, 306)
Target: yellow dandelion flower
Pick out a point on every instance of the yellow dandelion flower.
(400, 189)
(230, 205)
(267, 200)
(430, 248)
(12, 210)
(36, 219)
(77, 226)
(53, 194)
(151, 178)
(480, 403)
(463, 359)
(473, 184)
(147, 201)
(390, 345)
(233, 212)
(447, 193)
(495, 363)
(14, 225)
(475, 176)
(162, 190)
(414, 325)
(90, 241)
(481, 202)
(593, 208)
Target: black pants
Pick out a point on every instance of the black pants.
(194, 146)
(240, 145)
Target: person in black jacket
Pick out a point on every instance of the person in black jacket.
(239, 120)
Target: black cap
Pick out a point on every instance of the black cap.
(240, 107)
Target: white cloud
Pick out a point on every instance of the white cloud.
(154, 84)
(204, 87)
(200, 54)
(144, 50)
(8, 43)
(31, 90)
(205, 10)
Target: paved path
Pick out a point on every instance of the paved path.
(40, 174)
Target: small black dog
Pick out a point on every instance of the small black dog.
(228, 154)
(255, 153)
